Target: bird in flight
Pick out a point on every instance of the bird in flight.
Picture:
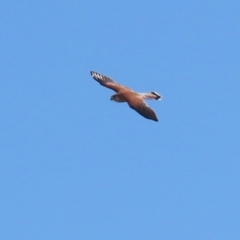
(124, 94)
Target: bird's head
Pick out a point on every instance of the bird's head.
(114, 98)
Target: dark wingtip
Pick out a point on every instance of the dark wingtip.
(154, 118)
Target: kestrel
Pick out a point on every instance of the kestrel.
(124, 94)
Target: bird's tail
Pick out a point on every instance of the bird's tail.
(151, 95)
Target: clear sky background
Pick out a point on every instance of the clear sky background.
(75, 165)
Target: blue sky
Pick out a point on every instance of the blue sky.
(75, 165)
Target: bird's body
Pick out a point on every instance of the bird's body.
(124, 94)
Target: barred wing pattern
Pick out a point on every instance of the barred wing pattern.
(107, 82)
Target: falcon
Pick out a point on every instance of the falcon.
(124, 94)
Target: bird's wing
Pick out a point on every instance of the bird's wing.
(107, 82)
(139, 105)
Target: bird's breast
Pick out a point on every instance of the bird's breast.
(120, 98)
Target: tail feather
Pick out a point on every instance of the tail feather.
(151, 95)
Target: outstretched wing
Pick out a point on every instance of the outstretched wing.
(139, 105)
(107, 82)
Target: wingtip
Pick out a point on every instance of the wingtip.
(154, 118)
